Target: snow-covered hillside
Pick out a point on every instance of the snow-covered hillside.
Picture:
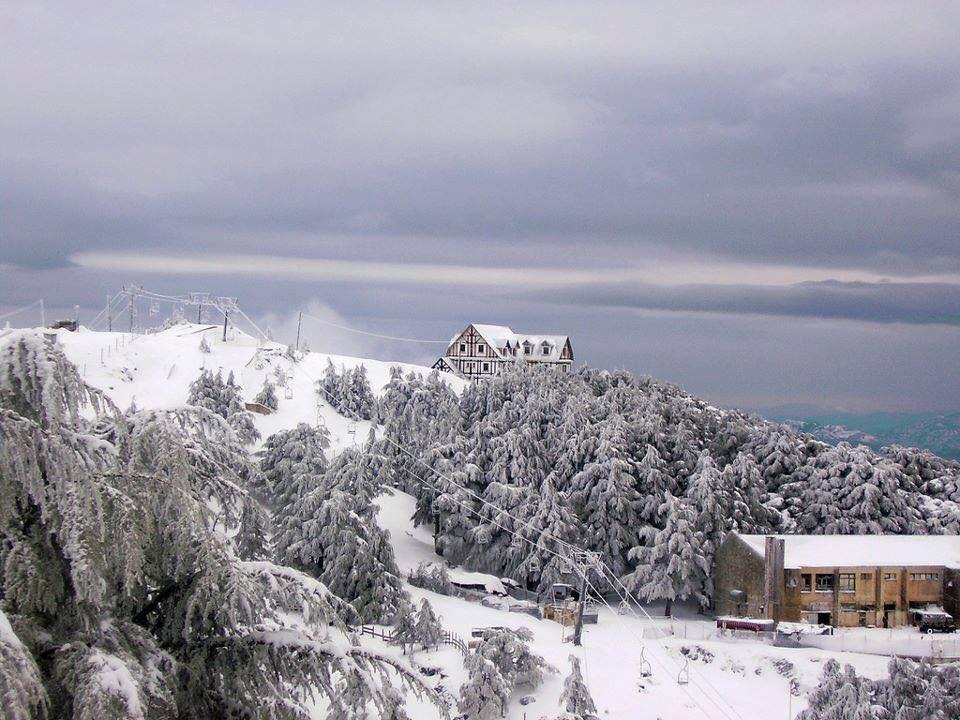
(728, 678)
(155, 371)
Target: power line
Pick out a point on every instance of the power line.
(568, 547)
(18, 310)
(376, 335)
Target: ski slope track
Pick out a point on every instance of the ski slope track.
(742, 679)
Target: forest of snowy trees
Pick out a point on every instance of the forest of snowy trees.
(913, 691)
(636, 470)
(136, 576)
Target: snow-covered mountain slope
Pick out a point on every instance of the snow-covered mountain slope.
(155, 371)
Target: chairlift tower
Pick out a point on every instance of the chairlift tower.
(226, 305)
(584, 561)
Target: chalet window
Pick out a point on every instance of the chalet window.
(545, 348)
(527, 349)
(848, 582)
(463, 347)
(486, 367)
(480, 348)
(889, 577)
(806, 582)
(825, 583)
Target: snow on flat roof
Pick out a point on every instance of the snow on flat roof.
(864, 550)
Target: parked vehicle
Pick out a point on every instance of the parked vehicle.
(931, 622)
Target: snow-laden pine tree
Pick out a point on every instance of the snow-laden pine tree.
(329, 385)
(204, 345)
(653, 484)
(331, 533)
(702, 496)
(485, 693)
(604, 495)
(125, 577)
(294, 463)
(851, 492)
(671, 564)
(21, 684)
(223, 397)
(576, 699)
(267, 396)
(743, 496)
(549, 523)
(429, 631)
(359, 401)
(405, 629)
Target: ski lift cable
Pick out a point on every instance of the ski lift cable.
(15, 311)
(485, 502)
(628, 595)
(585, 577)
(376, 335)
(662, 666)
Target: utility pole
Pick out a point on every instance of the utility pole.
(299, 320)
(225, 305)
(130, 304)
(109, 316)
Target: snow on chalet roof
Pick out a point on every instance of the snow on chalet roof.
(864, 550)
(499, 335)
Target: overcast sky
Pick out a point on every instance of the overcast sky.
(760, 201)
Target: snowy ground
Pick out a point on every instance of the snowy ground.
(740, 682)
(155, 371)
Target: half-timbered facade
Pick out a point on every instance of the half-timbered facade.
(483, 350)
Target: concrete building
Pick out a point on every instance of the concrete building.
(839, 580)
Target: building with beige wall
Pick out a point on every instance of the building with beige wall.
(839, 580)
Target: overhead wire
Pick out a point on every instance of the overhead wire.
(376, 335)
(572, 549)
(18, 310)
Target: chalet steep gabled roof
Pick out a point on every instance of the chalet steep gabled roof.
(826, 551)
(499, 336)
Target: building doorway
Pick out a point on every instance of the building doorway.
(889, 618)
(823, 618)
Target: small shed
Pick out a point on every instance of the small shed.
(258, 408)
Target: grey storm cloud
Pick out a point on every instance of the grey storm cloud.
(928, 303)
(548, 136)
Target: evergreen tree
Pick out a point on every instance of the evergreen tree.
(484, 696)
(267, 396)
(121, 541)
(540, 539)
(405, 629)
(576, 698)
(671, 565)
(605, 497)
(212, 393)
(204, 345)
(294, 463)
(429, 631)
(329, 388)
(653, 483)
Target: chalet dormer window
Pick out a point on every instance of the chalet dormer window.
(527, 348)
(545, 348)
